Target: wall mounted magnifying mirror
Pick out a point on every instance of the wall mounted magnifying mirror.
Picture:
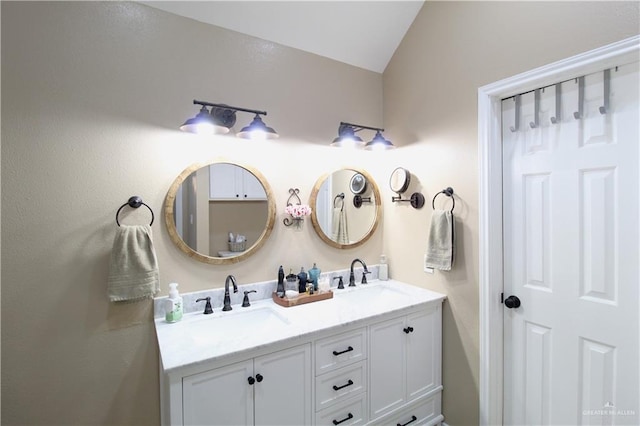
(219, 213)
(358, 184)
(399, 183)
(337, 220)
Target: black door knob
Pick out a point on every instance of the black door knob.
(251, 380)
(512, 302)
(259, 378)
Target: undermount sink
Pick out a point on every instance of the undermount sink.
(369, 295)
(237, 324)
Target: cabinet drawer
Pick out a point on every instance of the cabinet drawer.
(337, 351)
(425, 412)
(349, 412)
(340, 384)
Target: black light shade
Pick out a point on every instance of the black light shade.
(204, 123)
(379, 143)
(257, 130)
(347, 137)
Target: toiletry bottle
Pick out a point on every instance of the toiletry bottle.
(383, 269)
(292, 281)
(302, 281)
(314, 274)
(280, 289)
(174, 304)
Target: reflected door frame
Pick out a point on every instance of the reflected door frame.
(490, 200)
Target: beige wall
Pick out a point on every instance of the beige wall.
(92, 96)
(430, 109)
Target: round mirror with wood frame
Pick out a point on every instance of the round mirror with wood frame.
(209, 201)
(336, 218)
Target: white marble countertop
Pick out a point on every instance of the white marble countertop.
(200, 338)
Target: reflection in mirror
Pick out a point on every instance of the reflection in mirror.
(219, 213)
(335, 218)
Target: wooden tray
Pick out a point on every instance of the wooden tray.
(302, 299)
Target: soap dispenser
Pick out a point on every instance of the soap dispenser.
(173, 304)
(383, 269)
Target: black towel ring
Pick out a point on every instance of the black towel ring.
(134, 202)
(449, 193)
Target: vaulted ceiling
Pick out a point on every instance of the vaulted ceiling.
(360, 33)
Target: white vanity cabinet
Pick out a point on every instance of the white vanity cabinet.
(273, 389)
(333, 363)
(230, 182)
(404, 362)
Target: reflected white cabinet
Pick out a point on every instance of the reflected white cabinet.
(404, 360)
(232, 182)
(267, 390)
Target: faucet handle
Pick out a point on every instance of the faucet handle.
(340, 283)
(245, 301)
(207, 308)
(364, 276)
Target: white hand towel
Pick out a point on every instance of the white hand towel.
(339, 232)
(133, 268)
(441, 247)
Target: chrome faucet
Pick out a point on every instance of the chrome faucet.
(352, 277)
(227, 298)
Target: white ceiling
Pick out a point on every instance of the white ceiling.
(360, 33)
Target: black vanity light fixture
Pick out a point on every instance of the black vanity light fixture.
(347, 138)
(221, 119)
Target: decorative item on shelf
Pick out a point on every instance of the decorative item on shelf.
(221, 119)
(399, 182)
(237, 243)
(297, 211)
(347, 138)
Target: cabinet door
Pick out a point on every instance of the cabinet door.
(387, 363)
(423, 352)
(225, 181)
(252, 189)
(219, 397)
(283, 395)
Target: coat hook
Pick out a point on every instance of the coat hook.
(578, 114)
(517, 121)
(555, 119)
(607, 91)
(536, 110)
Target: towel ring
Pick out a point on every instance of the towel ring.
(134, 202)
(449, 193)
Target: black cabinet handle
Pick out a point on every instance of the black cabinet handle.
(349, 417)
(251, 380)
(349, 349)
(259, 378)
(413, 419)
(408, 330)
(337, 388)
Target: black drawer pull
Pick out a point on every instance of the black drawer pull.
(408, 330)
(349, 417)
(251, 380)
(259, 378)
(413, 419)
(349, 349)
(337, 388)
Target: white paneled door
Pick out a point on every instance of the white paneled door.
(571, 253)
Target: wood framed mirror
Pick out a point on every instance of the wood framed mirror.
(207, 202)
(335, 217)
